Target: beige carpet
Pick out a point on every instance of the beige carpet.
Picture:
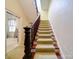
(16, 53)
(45, 48)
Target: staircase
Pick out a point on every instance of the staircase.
(45, 43)
(44, 47)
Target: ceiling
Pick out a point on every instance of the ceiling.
(45, 4)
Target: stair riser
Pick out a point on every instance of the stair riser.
(44, 36)
(44, 25)
(44, 22)
(44, 42)
(43, 29)
(44, 32)
(44, 50)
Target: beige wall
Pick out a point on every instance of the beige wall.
(17, 9)
(29, 8)
(61, 19)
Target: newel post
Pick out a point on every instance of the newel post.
(27, 43)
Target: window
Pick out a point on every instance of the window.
(12, 24)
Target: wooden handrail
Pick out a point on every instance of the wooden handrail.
(30, 33)
(35, 26)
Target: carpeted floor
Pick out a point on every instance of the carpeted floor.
(16, 53)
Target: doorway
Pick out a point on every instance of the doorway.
(11, 31)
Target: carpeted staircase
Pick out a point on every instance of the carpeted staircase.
(46, 45)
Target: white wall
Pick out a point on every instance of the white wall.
(61, 19)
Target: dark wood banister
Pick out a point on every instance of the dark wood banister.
(30, 33)
(35, 25)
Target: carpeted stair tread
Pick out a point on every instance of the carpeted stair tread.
(45, 34)
(44, 42)
(46, 39)
(45, 56)
(45, 48)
